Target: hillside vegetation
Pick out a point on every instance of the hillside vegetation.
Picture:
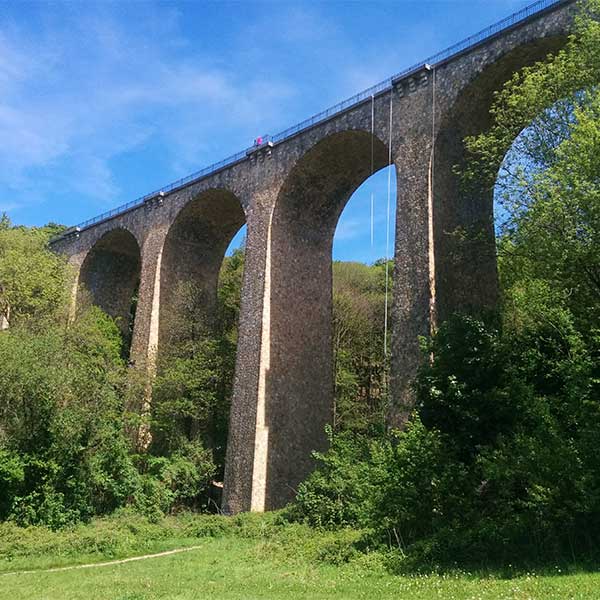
(498, 464)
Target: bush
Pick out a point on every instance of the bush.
(500, 447)
(346, 487)
(499, 461)
(12, 478)
(63, 453)
(175, 482)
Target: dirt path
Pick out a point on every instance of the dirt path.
(104, 564)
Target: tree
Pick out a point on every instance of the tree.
(4, 222)
(192, 392)
(548, 185)
(358, 325)
(33, 280)
(63, 453)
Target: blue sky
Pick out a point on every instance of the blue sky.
(103, 102)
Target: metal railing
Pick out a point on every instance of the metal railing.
(226, 162)
(435, 60)
(379, 88)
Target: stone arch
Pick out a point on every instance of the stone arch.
(192, 256)
(298, 386)
(110, 276)
(464, 239)
(193, 252)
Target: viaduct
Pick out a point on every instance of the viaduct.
(290, 190)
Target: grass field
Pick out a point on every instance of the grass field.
(248, 560)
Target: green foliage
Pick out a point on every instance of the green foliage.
(179, 480)
(60, 422)
(424, 491)
(33, 280)
(230, 292)
(496, 464)
(185, 396)
(67, 398)
(64, 455)
(556, 238)
(360, 369)
(345, 489)
(12, 478)
(526, 484)
(540, 98)
(123, 533)
(192, 391)
(126, 533)
(548, 187)
(465, 393)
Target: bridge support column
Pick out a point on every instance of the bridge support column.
(413, 308)
(145, 330)
(465, 247)
(247, 444)
(144, 344)
(445, 260)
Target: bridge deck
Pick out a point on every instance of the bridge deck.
(516, 19)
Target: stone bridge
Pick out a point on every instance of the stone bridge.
(290, 191)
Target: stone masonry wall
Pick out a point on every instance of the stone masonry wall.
(291, 196)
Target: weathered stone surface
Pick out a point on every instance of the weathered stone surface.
(110, 275)
(291, 196)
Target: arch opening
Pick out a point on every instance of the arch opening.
(546, 216)
(530, 154)
(110, 277)
(464, 237)
(198, 327)
(299, 383)
(360, 358)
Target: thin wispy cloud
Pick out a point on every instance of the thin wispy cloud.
(101, 102)
(100, 92)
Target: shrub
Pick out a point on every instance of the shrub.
(346, 486)
(63, 452)
(175, 482)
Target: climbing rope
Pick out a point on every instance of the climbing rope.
(372, 168)
(387, 232)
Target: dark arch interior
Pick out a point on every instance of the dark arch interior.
(319, 186)
(192, 256)
(110, 277)
(464, 219)
(299, 384)
(192, 328)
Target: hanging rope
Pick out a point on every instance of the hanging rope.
(387, 233)
(372, 167)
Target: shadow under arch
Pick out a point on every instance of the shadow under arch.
(110, 276)
(192, 256)
(299, 385)
(464, 238)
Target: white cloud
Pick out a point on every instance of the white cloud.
(8, 206)
(351, 228)
(82, 92)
